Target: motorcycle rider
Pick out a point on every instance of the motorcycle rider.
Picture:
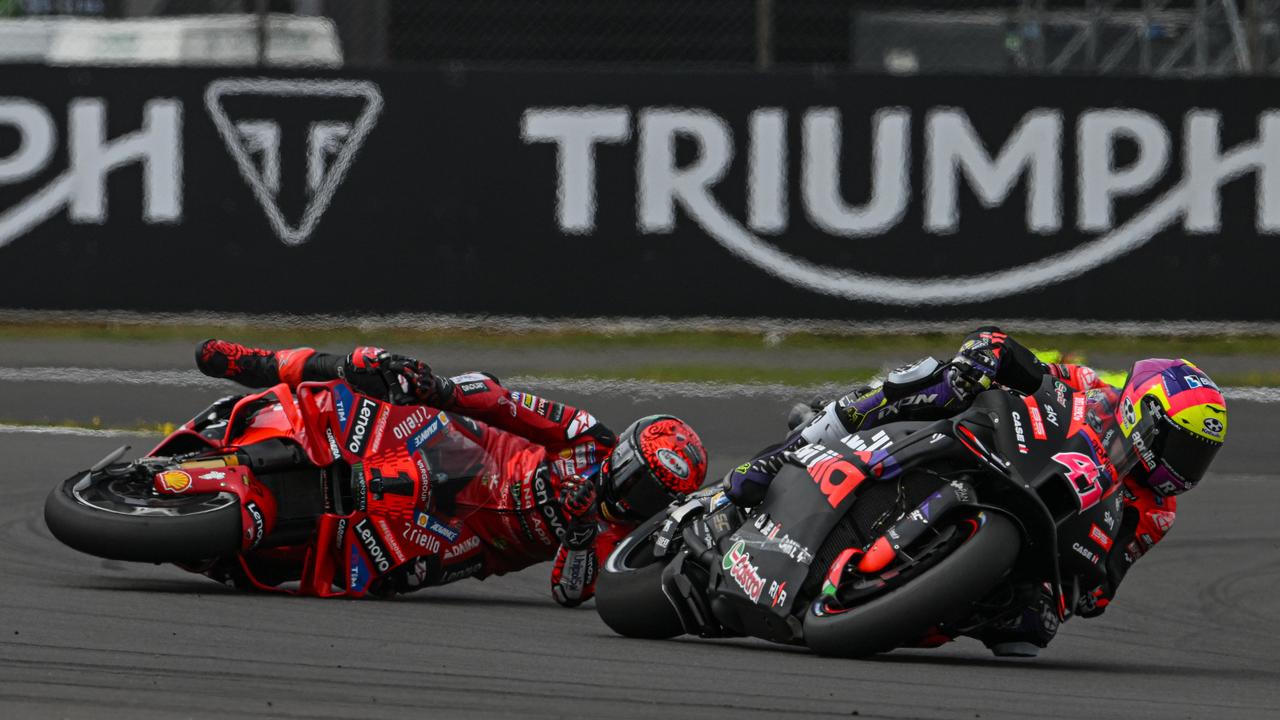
(1161, 431)
(561, 467)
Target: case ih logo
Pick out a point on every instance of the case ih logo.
(954, 160)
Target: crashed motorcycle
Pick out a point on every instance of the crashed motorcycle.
(320, 477)
(908, 534)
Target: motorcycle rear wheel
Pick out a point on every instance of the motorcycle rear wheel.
(116, 515)
(629, 595)
(947, 588)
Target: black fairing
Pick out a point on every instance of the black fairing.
(1085, 506)
(789, 541)
(1057, 484)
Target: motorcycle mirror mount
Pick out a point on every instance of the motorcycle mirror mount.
(111, 457)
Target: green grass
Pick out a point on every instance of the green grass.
(161, 428)
(795, 376)
(805, 377)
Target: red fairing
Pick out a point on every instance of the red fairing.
(505, 517)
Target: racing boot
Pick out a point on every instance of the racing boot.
(252, 367)
(1025, 631)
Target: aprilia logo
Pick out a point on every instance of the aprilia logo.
(836, 477)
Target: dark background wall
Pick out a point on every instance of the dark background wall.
(445, 207)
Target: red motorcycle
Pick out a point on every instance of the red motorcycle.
(321, 478)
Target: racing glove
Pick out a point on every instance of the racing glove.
(573, 577)
(747, 484)
(973, 369)
(399, 379)
(581, 513)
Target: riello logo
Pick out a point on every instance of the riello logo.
(1119, 153)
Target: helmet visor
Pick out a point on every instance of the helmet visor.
(1184, 455)
(628, 484)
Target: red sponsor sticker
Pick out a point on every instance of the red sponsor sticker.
(1037, 422)
(392, 545)
(174, 481)
(1163, 520)
(1097, 535)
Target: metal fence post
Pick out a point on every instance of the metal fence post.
(764, 34)
(260, 7)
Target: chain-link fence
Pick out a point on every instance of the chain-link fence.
(1155, 37)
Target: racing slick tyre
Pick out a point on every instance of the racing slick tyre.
(943, 589)
(629, 595)
(115, 514)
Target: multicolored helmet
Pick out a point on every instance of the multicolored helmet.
(658, 459)
(1176, 420)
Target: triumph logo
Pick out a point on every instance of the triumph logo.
(955, 160)
(257, 143)
(92, 158)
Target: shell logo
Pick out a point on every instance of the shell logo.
(174, 481)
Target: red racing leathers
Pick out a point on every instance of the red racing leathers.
(505, 515)
(513, 517)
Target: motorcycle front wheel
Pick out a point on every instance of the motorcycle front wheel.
(629, 596)
(116, 514)
(965, 562)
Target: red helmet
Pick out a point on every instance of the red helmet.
(658, 459)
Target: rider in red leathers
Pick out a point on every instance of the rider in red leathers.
(1160, 432)
(566, 489)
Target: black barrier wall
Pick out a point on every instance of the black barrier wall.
(588, 194)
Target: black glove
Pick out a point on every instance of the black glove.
(399, 379)
(973, 369)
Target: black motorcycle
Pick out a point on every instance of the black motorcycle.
(888, 537)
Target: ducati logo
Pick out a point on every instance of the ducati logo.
(293, 170)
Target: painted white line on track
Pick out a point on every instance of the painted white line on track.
(110, 376)
(71, 431)
(624, 325)
(586, 386)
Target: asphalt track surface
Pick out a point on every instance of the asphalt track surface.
(1193, 633)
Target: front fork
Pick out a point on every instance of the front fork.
(892, 545)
